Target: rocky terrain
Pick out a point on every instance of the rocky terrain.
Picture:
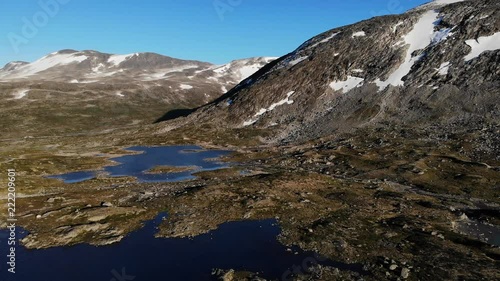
(402, 205)
(88, 91)
(375, 144)
(428, 67)
(396, 107)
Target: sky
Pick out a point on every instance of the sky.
(215, 31)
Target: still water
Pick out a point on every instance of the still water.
(243, 245)
(137, 165)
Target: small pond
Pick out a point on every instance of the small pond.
(193, 158)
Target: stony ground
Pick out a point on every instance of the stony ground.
(397, 202)
(404, 182)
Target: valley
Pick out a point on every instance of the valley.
(368, 153)
(372, 200)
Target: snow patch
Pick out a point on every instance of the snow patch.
(483, 44)
(347, 85)
(119, 93)
(117, 59)
(20, 94)
(298, 60)
(324, 40)
(358, 34)
(241, 69)
(47, 62)
(180, 68)
(329, 38)
(162, 73)
(444, 68)
(399, 43)
(270, 108)
(98, 68)
(447, 1)
(419, 38)
(222, 69)
(441, 35)
(395, 27)
(186, 87)
(357, 70)
(248, 70)
(282, 102)
(436, 4)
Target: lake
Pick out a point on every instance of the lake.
(242, 245)
(137, 165)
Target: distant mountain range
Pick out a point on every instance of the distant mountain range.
(80, 67)
(81, 91)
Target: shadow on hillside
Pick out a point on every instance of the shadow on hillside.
(176, 113)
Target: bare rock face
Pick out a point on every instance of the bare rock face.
(437, 65)
(69, 234)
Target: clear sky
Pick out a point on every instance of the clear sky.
(216, 31)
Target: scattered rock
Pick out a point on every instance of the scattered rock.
(106, 204)
(405, 272)
(223, 275)
(463, 217)
(53, 199)
(229, 276)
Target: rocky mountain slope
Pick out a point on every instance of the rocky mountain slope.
(395, 188)
(434, 66)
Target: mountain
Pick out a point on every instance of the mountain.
(93, 67)
(70, 92)
(11, 66)
(436, 66)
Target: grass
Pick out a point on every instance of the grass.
(171, 169)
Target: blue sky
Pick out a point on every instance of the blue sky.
(216, 31)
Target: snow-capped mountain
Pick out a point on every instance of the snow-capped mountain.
(240, 69)
(99, 91)
(436, 4)
(436, 65)
(92, 67)
(11, 66)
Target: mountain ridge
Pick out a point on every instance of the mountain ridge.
(89, 66)
(88, 91)
(404, 69)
